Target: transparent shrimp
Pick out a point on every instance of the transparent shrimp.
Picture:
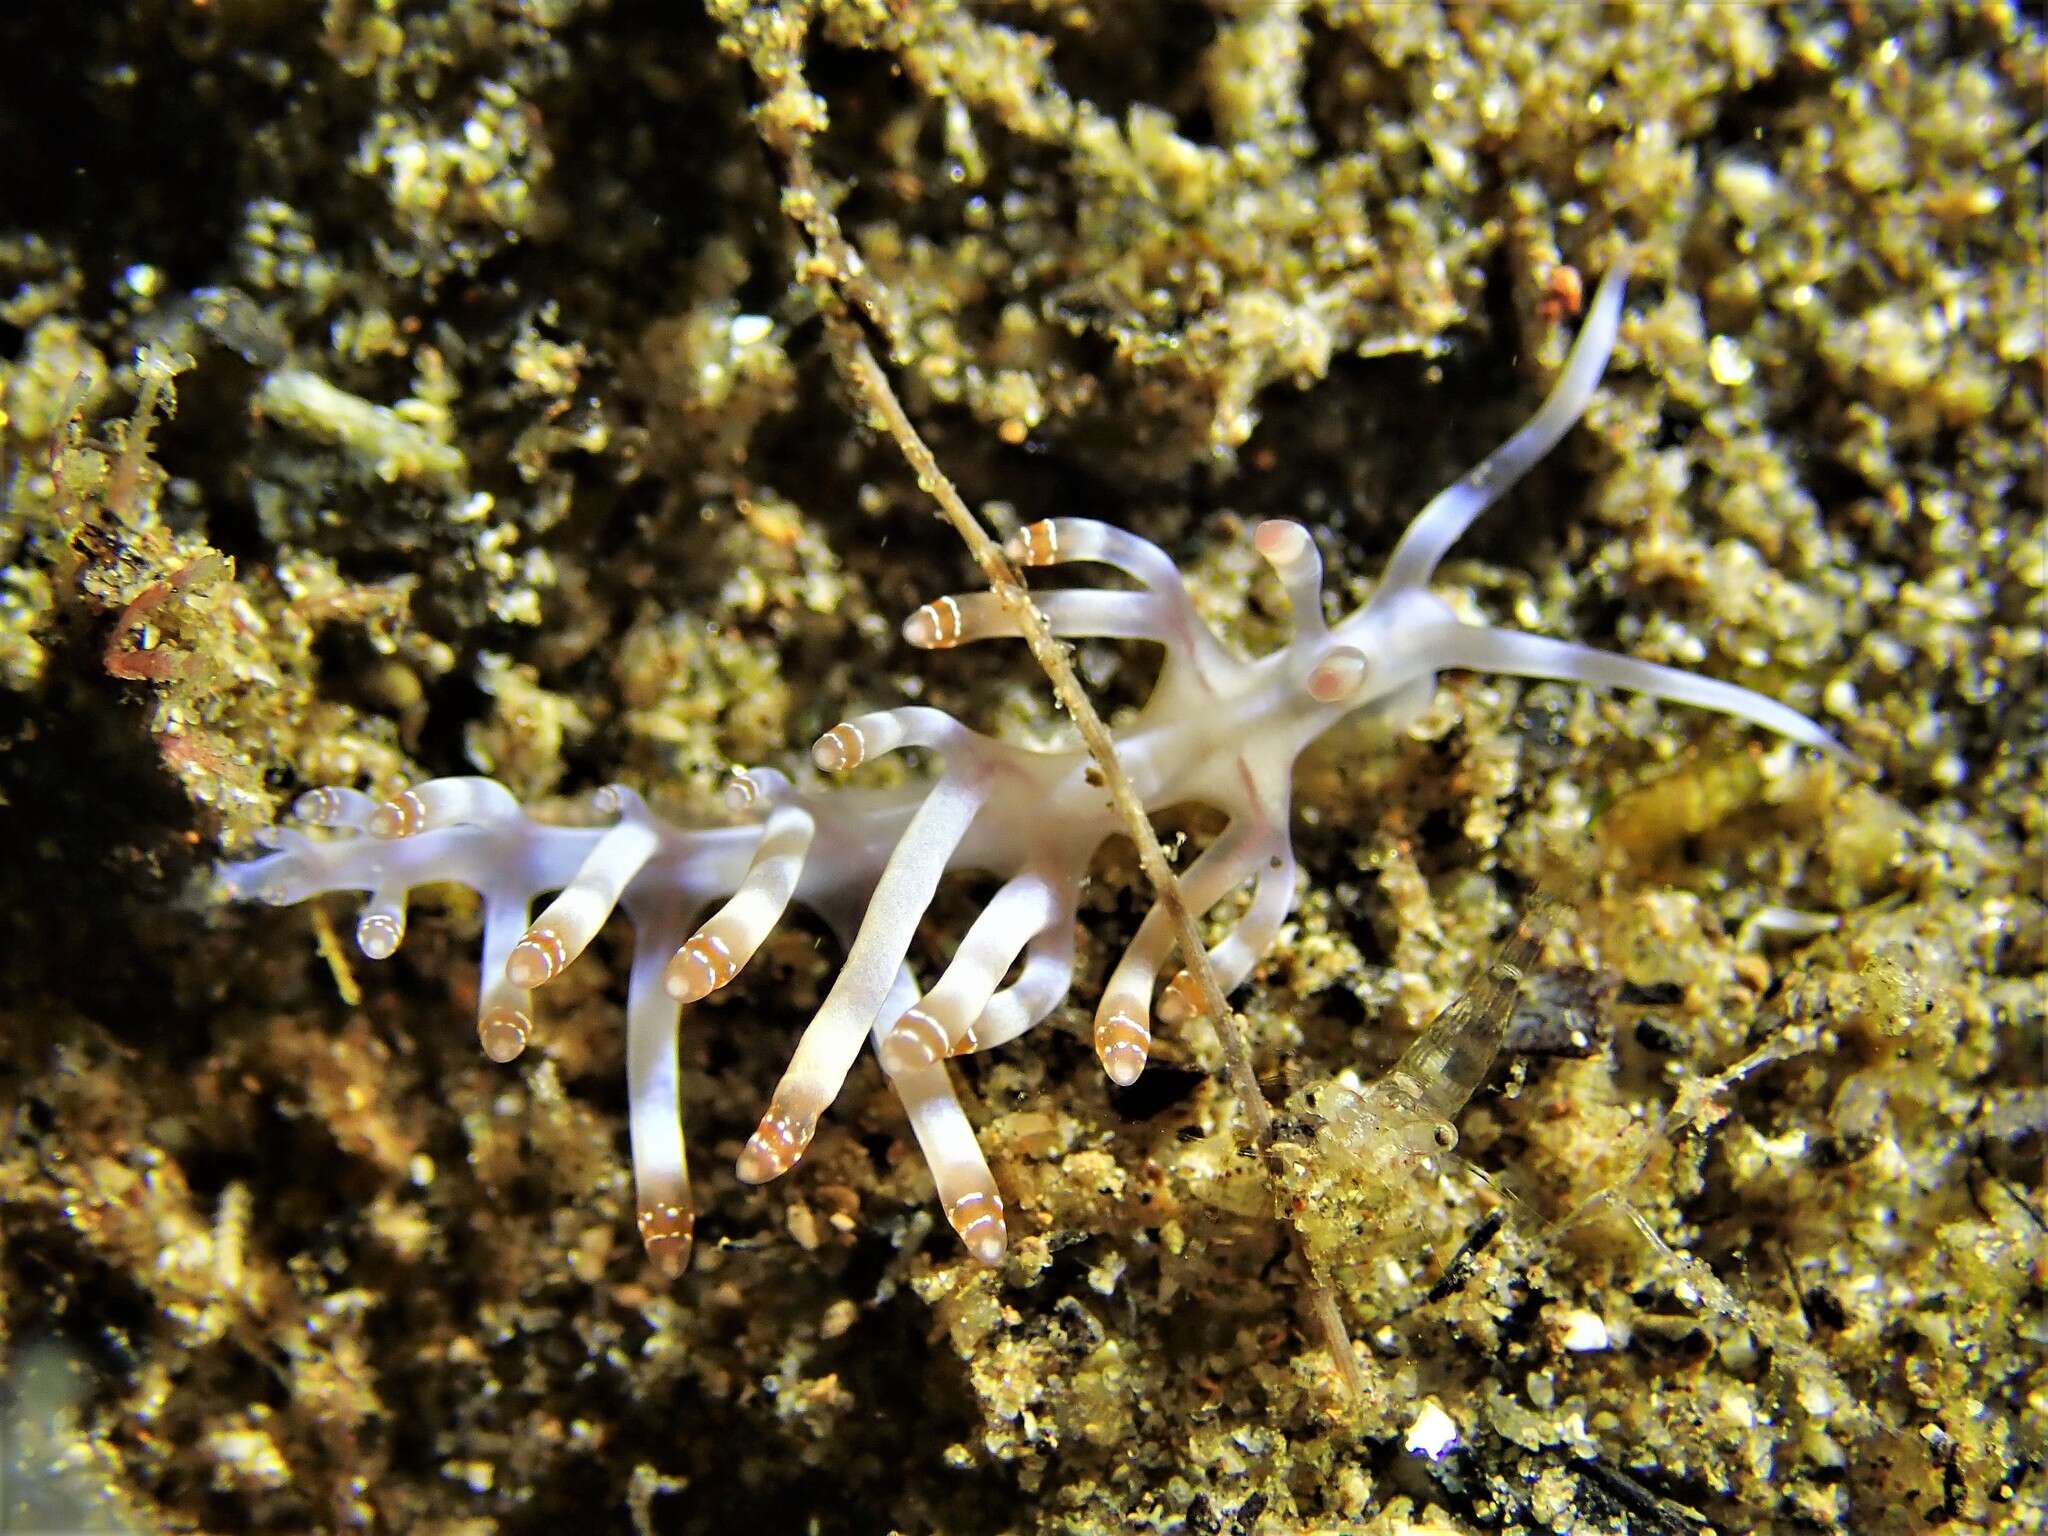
(1409, 1112)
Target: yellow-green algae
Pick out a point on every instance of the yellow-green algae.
(502, 437)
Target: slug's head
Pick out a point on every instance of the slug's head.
(1378, 660)
(1375, 659)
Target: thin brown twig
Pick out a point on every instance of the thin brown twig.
(837, 262)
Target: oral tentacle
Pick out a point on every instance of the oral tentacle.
(1451, 511)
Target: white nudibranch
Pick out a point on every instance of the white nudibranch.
(1218, 730)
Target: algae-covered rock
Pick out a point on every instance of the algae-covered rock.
(390, 390)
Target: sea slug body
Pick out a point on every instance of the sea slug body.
(1218, 730)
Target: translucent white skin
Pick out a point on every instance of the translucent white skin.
(1219, 730)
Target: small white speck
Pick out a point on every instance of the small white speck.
(1584, 1332)
(1433, 1433)
(1738, 1409)
(747, 330)
(1751, 191)
(1815, 1398)
(1726, 362)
